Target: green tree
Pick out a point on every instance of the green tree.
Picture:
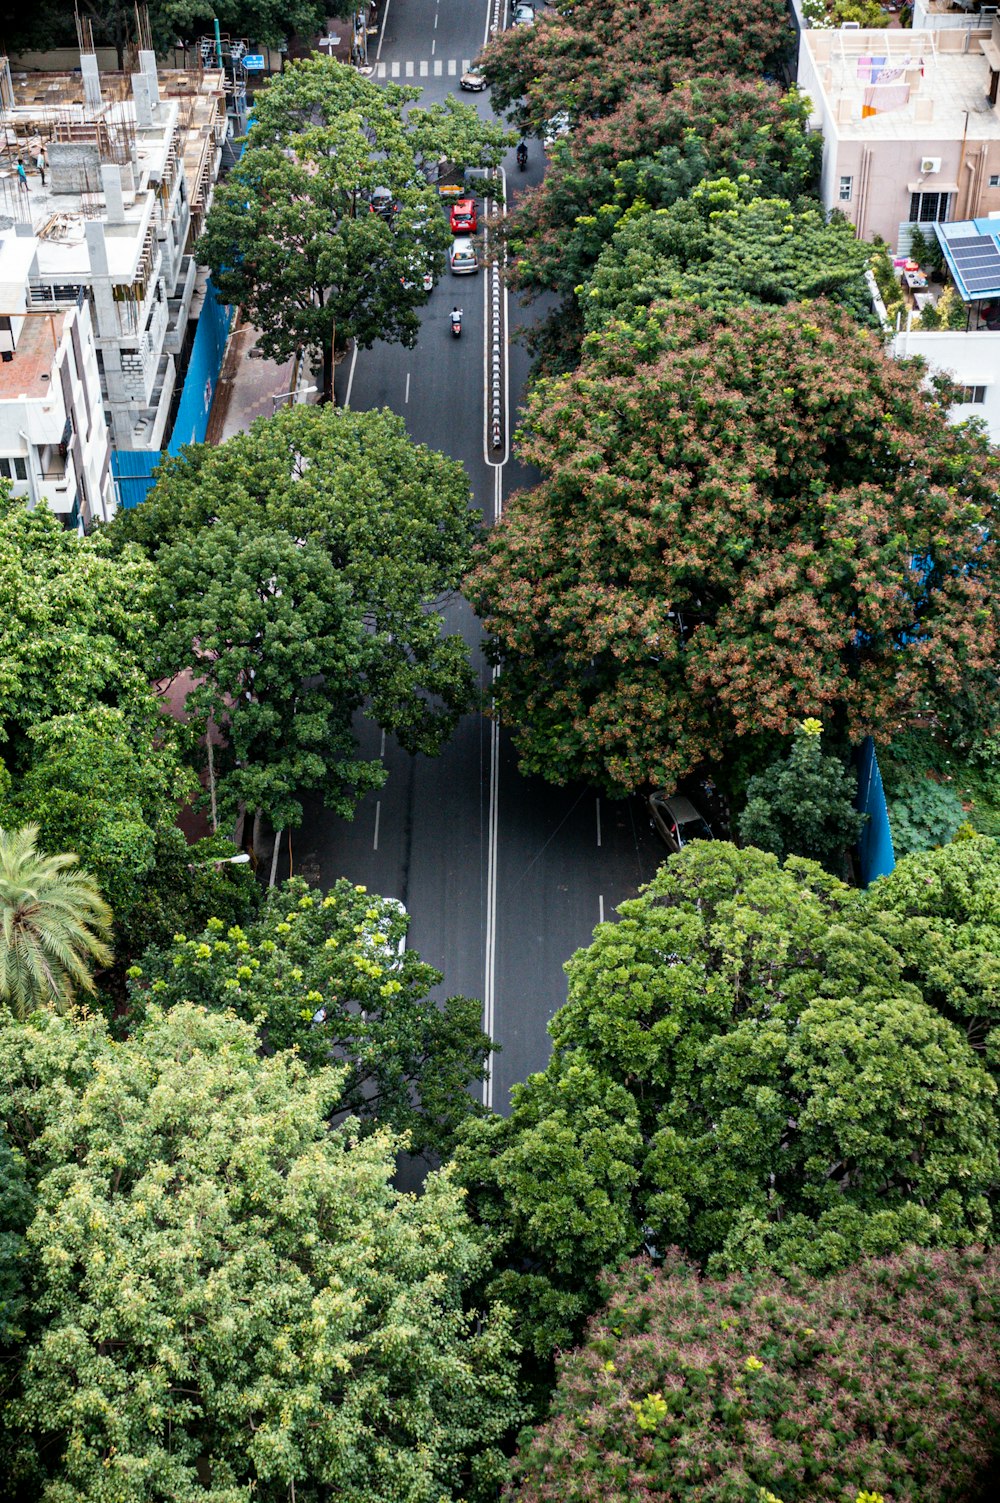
(741, 522)
(16, 1210)
(792, 1388)
(54, 925)
(590, 56)
(650, 151)
(742, 1071)
(719, 249)
(110, 789)
(290, 236)
(320, 974)
(941, 911)
(75, 625)
(231, 1299)
(49, 23)
(374, 531)
(803, 805)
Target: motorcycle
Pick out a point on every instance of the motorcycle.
(456, 321)
(522, 156)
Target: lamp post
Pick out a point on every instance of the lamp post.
(240, 860)
(300, 391)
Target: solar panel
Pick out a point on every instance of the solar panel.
(977, 260)
(969, 242)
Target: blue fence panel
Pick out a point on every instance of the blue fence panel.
(877, 857)
(191, 423)
(133, 468)
(133, 472)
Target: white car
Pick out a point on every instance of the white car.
(462, 257)
(558, 125)
(523, 16)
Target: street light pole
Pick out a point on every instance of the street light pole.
(299, 391)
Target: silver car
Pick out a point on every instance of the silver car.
(676, 820)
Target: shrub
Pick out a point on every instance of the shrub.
(884, 1379)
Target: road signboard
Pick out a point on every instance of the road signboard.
(254, 62)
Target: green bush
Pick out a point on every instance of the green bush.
(803, 804)
(923, 815)
(883, 1380)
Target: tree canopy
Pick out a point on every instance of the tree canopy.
(588, 56)
(719, 249)
(880, 1382)
(741, 523)
(320, 973)
(740, 1070)
(76, 625)
(803, 804)
(652, 149)
(229, 1298)
(290, 236)
(299, 572)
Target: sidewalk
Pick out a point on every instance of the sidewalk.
(247, 385)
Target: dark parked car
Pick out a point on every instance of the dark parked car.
(676, 820)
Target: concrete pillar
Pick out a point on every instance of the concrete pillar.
(143, 103)
(147, 66)
(111, 181)
(91, 80)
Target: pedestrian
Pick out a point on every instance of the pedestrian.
(21, 173)
(40, 163)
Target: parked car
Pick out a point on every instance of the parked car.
(523, 16)
(462, 258)
(676, 820)
(463, 218)
(472, 80)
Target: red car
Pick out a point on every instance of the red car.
(463, 217)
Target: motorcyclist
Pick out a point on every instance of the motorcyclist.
(522, 153)
(456, 315)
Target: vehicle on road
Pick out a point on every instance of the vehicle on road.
(522, 154)
(473, 81)
(676, 820)
(462, 258)
(456, 322)
(523, 16)
(463, 218)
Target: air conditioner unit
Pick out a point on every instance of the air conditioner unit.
(930, 164)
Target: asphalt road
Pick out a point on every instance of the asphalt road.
(503, 876)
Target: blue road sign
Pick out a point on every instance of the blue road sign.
(254, 62)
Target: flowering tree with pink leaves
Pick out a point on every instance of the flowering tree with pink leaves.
(882, 1382)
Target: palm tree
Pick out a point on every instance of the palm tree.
(53, 925)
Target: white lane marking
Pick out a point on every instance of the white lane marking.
(466, 64)
(350, 376)
(598, 824)
(380, 70)
(435, 20)
(489, 983)
(438, 68)
(409, 70)
(433, 45)
(453, 67)
(381, 35)
(496, 271)
(600, 906)
(406, 395)
(378, 816)
(381, 750)
(394, 70)
(424, 67)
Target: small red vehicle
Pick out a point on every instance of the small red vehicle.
(463, 217)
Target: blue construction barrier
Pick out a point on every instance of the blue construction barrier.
(133, 468)
(876, 855)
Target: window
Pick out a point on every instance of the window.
(846, 189)
(995, 180)
(925, 208)
(13, 469)
(973, 394)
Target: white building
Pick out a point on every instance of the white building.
(132, 163)
(54, 442)
(910, 122)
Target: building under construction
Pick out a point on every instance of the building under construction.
(106, 178)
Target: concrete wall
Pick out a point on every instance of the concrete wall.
(971, 359)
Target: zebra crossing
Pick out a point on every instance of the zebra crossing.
(435, 67)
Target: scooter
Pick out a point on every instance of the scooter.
(522, 156)
(456, 321)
